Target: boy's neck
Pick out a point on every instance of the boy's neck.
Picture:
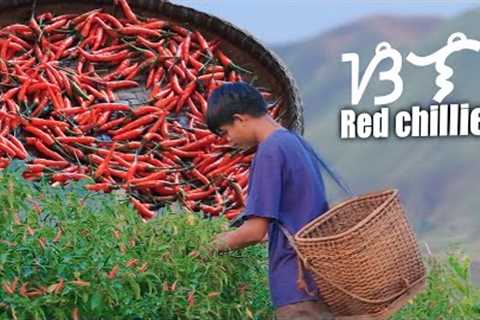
(265, 127)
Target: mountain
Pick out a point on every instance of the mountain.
(437, 177)
(316, 62)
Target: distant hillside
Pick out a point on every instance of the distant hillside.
(437, 177)
(316, 62)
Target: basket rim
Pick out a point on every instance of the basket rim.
(393, 193)
(238, 36)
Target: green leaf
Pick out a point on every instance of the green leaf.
(96, 301)
(134, 285)
(17, 167)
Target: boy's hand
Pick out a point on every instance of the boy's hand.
(247, 234)
(208, 253)
(219, 242)
(213, 248)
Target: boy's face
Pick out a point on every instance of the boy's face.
(240, 132)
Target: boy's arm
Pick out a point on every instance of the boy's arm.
(265, 239)
(263, 201)
(252, 231)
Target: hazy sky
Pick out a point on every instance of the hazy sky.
(278, 21)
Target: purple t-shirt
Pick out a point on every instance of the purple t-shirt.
(285, 184)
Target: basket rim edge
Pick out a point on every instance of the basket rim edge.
(394, 192)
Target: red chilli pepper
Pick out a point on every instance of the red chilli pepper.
(144, 211)
(127, 11)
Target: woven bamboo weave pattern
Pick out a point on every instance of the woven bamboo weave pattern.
(363, 253)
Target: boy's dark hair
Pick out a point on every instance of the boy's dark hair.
(230, 98)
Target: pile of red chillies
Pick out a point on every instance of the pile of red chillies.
(60, 111)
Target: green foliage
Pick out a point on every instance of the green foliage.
(48, 234)
(449, 295)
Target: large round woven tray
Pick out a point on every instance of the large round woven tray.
(241, 46)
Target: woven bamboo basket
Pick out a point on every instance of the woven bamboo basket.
(363, 256)
(244, 49)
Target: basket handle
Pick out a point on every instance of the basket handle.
(303, 262)
(335, 176)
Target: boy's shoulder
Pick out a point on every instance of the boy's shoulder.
(271, 143)
(280, 145)
(281, 140)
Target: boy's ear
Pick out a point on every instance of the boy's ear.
(240, 117)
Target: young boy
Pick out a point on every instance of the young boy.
(285, 185)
